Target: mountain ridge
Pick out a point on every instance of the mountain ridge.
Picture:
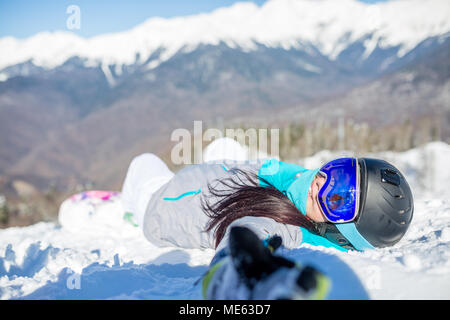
(324, 25)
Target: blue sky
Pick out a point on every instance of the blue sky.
(24, 18)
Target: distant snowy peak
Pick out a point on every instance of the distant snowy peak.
(328, 25)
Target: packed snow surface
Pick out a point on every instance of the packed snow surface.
(108, 258)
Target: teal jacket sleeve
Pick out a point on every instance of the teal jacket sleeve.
(291, 179)
(279, 174)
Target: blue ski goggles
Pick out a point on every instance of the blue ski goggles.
(339, 196)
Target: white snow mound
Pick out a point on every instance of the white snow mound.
(113, 260)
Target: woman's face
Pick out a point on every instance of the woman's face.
(312, 205)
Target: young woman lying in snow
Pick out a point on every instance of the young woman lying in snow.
(245, 210)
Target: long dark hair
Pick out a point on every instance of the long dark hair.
(241, 195)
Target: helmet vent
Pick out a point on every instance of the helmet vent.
(399, 196)
(390, 176)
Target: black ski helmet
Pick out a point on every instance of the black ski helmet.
(385, 211)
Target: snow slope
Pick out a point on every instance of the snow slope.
(328, 25)
(114, 261)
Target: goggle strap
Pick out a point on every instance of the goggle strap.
(330, 232)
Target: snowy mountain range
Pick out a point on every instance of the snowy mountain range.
(331, 27)
(75, 109)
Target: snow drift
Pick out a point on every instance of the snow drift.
(113, 260)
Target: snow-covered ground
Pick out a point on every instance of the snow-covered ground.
(113, 260)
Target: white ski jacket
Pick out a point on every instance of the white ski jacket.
(174, 216)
